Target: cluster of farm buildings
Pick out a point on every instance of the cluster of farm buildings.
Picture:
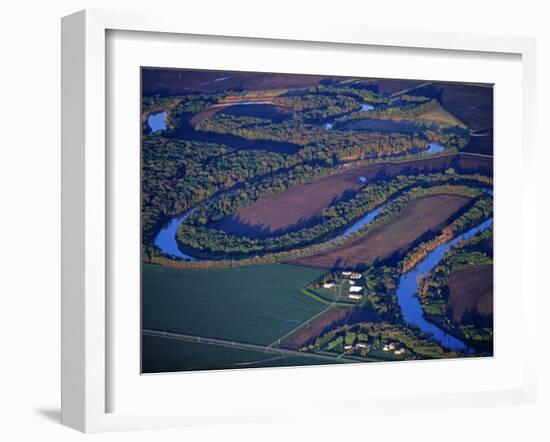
(390, 347)
(358, 346)
(355, 291)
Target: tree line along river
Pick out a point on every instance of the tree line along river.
(407, 288)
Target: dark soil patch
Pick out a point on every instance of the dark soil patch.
(267, 111)
(302, 206)
(423, 218)
(482, 144)
(180, 81)
(393, 86)
(470, 103)
(332, 318)
(471, 295)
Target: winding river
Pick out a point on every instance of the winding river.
(166, 238)
(408, 287)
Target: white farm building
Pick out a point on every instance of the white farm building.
(355, 289)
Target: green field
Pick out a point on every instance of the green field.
(166, 354)
(248, 304)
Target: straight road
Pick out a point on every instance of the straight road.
(237, 344)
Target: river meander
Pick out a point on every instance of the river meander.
(408, 288)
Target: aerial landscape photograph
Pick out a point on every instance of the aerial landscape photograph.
(294, 220)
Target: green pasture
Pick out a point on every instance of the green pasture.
(254, 304)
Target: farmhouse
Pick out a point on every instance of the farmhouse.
(361, 345)
(355, 289)
(355, 297)
(346, 273)
(389, 347)
(329, 285)
(348, 347)
(355, 275)
(400, 351)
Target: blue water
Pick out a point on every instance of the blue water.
(166, 239)
(435, 148)
(366, 219)
(366, 107)
(157, 121)
(408, 287)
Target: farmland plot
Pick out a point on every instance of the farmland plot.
(249, 304)
(302, 205)
(422, 216)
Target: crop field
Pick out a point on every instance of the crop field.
(269, 111)
(330, 318)
(393, 86)
(421, 218)
(409, 124)
(258, 189)
(472, 104)
(302, 205)
(248, 304)
(471, 293)
(168, 355)
(482, 144)
(173, 82)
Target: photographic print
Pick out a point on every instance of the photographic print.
(292, 220)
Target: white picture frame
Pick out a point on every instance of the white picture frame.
(85, 202)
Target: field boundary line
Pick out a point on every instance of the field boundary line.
(234, 344)
(333, 304)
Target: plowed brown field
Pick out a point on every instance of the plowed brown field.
(302, 205)
(471, 293)
(423, 217)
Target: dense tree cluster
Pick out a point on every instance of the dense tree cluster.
(177, 174)
(338, 143)
(196, 232)
(376, 335)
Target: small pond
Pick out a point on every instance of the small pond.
(157, 122)
(435, 148)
